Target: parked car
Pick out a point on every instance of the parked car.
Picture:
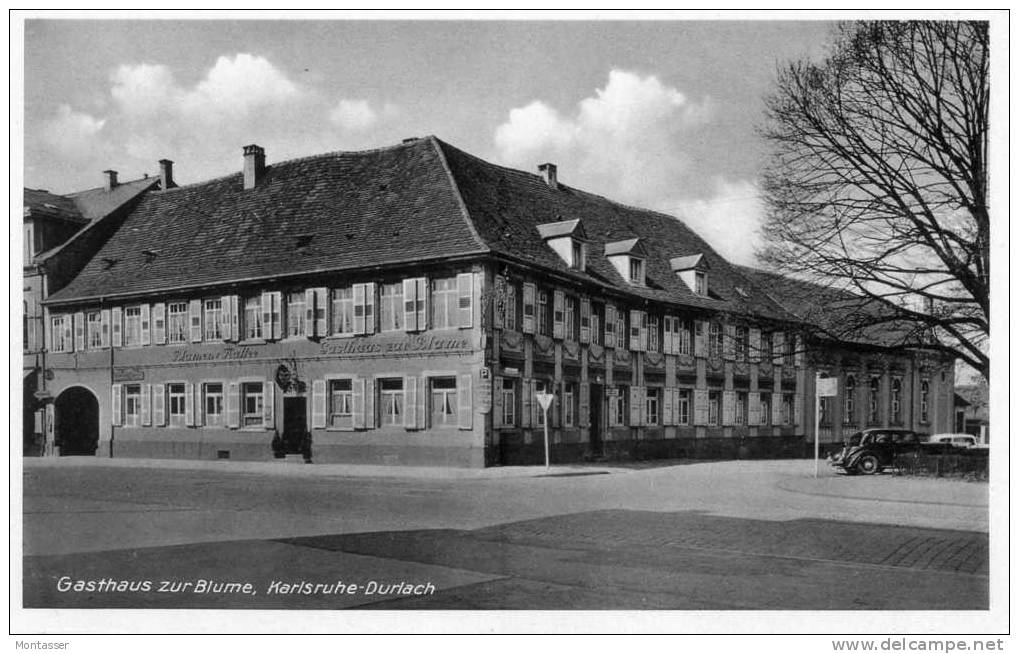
(872, 450)
(958, 441)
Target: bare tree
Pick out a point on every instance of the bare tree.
(877, 182)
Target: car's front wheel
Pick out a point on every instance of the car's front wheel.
(868, 464)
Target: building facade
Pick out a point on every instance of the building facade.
(405, 305)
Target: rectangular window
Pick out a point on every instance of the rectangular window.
(341, 403)
(742, 343)
(654, 333)
(636, 271)
(297, 314)
(619, 416)
(60, 338)
(597, 318)
(509, 402)
(251, 404)
(700, 283)
(766, 353)
(444, 303)
(343, 311)
(896, 401)
(569, 408)
(787, 408)
(177, 322)
(872, 400)
(740, 414)
(132, 326)
(683, 406)
(653, 406)
(391, 401)
(212, 401)
(391, 307)
(213, 319)
(95, 330)
(849, 401)
(824, 406)
(544, 316)
(510, 312)
(716, 341)
(175, 401)
(714, 407)
(578, 255)
(765, 408)
(253, 317)
(572, 311)
(789, 356)
(925, 396)
(684, 337)
(444, 401)
(132, 405)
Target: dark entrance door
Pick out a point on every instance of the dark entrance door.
(597, 408)
(295, 423)
(76, 431)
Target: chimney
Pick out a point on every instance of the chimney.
(254, 165)
(548, 171)
(166, 174)
(111, 179)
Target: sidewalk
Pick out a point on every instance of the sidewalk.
(292, 467)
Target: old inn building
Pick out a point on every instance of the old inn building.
(404, 305)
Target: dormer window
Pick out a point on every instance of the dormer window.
(568, 239)
(693, 270)
(629, 258)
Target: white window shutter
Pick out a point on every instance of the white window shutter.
(700, 406)
(755, 344)
(370, 314)
(79, 331)
(266, 315)
(410, 387)
(464, 402)
(465, 298)
(558, 313)
(146, 411)
(199, 404)
(610, 325)
(729, 342)
(535, 405)
(233, 405)
(268, 404)
(613, 411)
(321, 305)
(117, 326)
(189, 404)
(753, 408)
(421, 403)
(585, 320)
(421, 300)
(359, 318)
(634, 406)
(728, 408)
(369, 403)
(309, 312)
(104, 332)
(158, 405)
(776, 408)
(526, 400)
(667, 335)
(667, 408)
(643, 331)
(146, 330)
(195, 320)
(798, 409)
(116, 417)
(358, 386)
(530, 308)
(319, 401)
(158, 323)
(584, 405)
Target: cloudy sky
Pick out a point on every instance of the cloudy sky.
(659, 114)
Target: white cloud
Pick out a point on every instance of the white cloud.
(357, 115)
(626, 141)
(73, 132)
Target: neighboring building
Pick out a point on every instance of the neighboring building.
(404, 305)
(61, 233)
(973, 413)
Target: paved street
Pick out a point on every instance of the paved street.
(727, 535)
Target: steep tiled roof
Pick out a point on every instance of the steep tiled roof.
(562, 228)
(507, 205)
(839, 313)
(40, 203)
(98, 202)
(689, 262)
(328, 212)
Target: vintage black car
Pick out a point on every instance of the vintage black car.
(871, 450)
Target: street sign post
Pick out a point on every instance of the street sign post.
(545, 401)
(824, 386)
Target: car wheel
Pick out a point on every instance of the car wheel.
(868, 464)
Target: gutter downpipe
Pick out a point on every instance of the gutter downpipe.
(102, 303)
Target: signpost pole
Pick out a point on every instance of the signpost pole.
(546, 440)
(817, 426)
(545, 401)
